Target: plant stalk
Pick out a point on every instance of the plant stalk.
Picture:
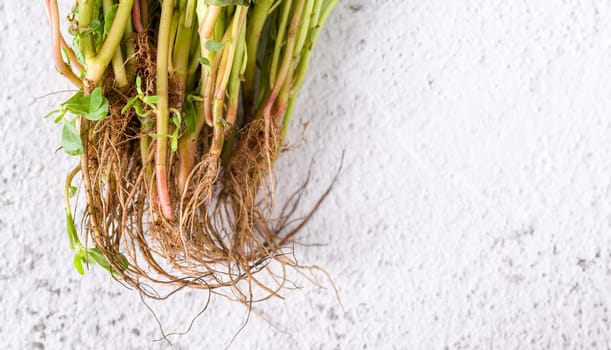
(97, 65)
(161, 154)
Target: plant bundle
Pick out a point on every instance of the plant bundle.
(180, 113)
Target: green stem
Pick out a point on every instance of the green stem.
(253, 37)
(208, 16)
(231, 45)
(118, 66)
(304, 26)
(287, 62)
(97, 65)
(287, 118)
(235, 81)
(279, 41)
(130, 50)
(85, 16)
(75, 242)
(181, 53)
(316, 28)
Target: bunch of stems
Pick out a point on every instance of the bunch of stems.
(178, 174)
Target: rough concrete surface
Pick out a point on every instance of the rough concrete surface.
(473, 211)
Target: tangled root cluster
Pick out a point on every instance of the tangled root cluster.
(223, 238)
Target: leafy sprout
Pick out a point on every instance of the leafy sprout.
(177, 121)
(88, 256)
(139, 102)
(93, 107)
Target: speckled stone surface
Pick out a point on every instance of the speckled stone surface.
(473, 211)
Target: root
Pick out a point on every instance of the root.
(226, 238)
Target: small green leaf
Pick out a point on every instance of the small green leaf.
(78, 104)
(93, 107)
(150, 100)
(146, 122)
(204, 61)
(109, 18)
(176, 121)
(71, 191)
(96, 99)
(57, 111)
(71, 139)
(139, 85)
(223, 122)
(95, 25)
(98, 106)
(95, 255)
(60, 117)
(139, 109)
(213, 45)
(71, 228)
(122, 262)
(76, 47)
(78, 264)
(190, 115)
(129, 104)
(174, 144)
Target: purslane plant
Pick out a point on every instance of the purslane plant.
(181, 111)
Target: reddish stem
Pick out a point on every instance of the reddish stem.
(161, 176)
(62, 67)
(187, 161)
(137, 17)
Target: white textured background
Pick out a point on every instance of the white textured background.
(473, 212)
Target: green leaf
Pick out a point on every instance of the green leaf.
(174, 144)
(78, 264)
(71, 228)
(95, 25)
(139, 85)
(71, 191)
(93, 107)
(98, 257)
(129, 104)
(145, 120)
(95, 255)
(227, 2)
(78, 104)
(121, 262)
(204, 61)
(60, 113)
(190, 115)
(65, 56)
(71, 139)
(76, 47)
(150, 100)
(213, 45)
(176, 121)
(156, 135)
(96, 99)
(139, 109)
(59, 117)
(96, 30)
(135, 103)
(223, 122)
(109, 18)
(98, 105)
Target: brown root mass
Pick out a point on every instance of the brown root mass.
(224, 238)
